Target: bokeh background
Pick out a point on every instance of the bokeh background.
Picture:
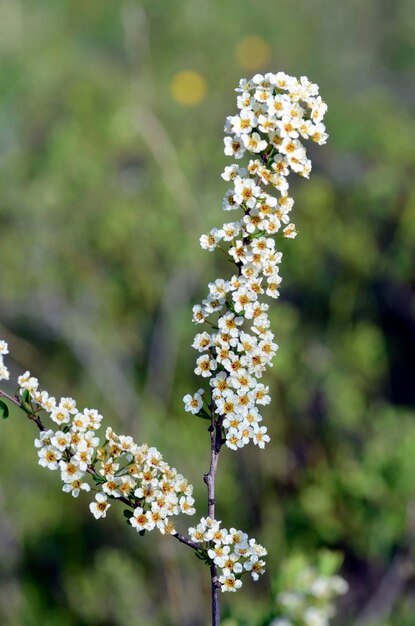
(111, 125)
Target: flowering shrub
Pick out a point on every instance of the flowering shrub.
(276, 112)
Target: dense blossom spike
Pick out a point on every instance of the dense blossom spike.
(120, 468)
(276, 112)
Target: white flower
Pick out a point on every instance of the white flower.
(28, 382)
(247, 191)
(210, 241)
(205, 365)
(260, 437)
(244, 122)
(186, 505)
(4, 372)
(60, 415)
(68, 404)
(290, 231)
(254, 143)
(229, 202)
(4, 348)
(202, 342)
(45, 438)
(49, 457)
(194, 403)
(70, 471)
(47, 402)
(230, 172)
(229, 231)
(230, 583)
(94, 418)
(234, 146)
(100, 506)
(75, 487)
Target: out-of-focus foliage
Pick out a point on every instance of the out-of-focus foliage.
(308, 591)
(111, 117)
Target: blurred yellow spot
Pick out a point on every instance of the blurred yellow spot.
(188, 87)
(252, 52)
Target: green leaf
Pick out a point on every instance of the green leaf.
(26, 396)
(4, 410)
(127, 513)
(142, 533)
(98, 479)
(25, 402)
(203, 414)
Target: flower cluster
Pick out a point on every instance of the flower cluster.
(276, 112)
(119, 467)
(230, 550)
(4, 372)
(312, 603)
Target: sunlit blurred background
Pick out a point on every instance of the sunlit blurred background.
(111, 126)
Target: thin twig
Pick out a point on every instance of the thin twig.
(186, 541)
(15, 400)
(215, 430)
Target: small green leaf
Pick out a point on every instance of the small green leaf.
(142, 533)
(127, 513)
(25, 402)
(4, 410)
(98, 479)
(203, 414)
(26, 396)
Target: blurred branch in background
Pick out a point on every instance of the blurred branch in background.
(77, 330)
(394, 581)
(166, 338)
(180, 285)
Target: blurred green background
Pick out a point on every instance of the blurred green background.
(111, 126)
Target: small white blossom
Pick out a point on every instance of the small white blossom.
(4, 372)
(100, 507)
(194, 403)
(4, 348)
(75, 487)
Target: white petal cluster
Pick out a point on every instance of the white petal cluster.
(276, 112)
(230, 550)
(312, 603)
(4, 372)
(119, 467)
(138, 472)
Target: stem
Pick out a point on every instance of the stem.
(30, 416)
(215, 430)
(187, 541)
(15, 401)
(215, 596)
